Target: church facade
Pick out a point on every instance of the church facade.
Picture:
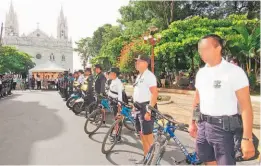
(39, 45)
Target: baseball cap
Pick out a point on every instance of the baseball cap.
(143, 58)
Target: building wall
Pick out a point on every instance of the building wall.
(45, 47)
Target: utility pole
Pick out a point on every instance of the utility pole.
(1, 33)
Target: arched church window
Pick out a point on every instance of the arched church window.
(52, 57)
(38, 56)
(63, 58)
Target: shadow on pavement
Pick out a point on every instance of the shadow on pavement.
(3, 99)
(21, 126)
(109, 158)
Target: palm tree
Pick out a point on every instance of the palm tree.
(249, 46)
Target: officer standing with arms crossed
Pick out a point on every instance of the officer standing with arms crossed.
(145, 92)
(219, 87)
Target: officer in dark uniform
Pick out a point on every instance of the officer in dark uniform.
(65, 85)
(88, 82)
(100, 80)
(1, 85)
(10, 83)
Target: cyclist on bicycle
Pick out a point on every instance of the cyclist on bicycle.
(145, 92)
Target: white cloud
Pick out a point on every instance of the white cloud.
(83, 16)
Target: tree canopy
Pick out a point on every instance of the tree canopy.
(12, 60)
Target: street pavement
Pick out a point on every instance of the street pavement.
(38, 129)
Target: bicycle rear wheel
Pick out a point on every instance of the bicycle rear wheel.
(112, 136)
(94, 121)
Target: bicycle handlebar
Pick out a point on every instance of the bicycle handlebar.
(168, 119)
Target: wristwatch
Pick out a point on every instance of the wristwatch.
(248, 139)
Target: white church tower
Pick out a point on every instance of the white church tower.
(11, 23)
(62, 27)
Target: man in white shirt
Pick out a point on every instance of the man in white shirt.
(219, 87)
(38, 81)
(116, 87)
(145, 92)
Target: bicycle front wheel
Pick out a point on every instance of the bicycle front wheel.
(91, 107)
(112, 136)
(153, 154)
(94, 121)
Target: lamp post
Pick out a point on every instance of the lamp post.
(152, 41)
(1, 33)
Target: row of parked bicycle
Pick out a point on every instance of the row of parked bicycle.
(164, 127)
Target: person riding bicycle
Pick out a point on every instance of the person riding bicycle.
(145, 92)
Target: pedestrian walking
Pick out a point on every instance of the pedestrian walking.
(220, 86)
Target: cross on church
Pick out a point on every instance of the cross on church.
(38, 25)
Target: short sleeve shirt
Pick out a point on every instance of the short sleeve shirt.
(116, 88)
(217, 88)
(142, 86)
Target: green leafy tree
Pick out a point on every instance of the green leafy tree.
(84, 49)
(12, 60)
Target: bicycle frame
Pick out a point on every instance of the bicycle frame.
(170, 130)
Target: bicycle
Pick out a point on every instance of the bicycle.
(97, 116)
(163, 136)
(124, 118)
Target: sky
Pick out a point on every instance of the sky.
(83, 16)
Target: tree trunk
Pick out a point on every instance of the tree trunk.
(171, 12)
(249, 65)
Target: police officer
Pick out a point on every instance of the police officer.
(145, 92)
(88, 82)
(80, 77)
(115, 92)
(1, 85)
(219, 87)
(70, 85)
(100, 80)
(116, 88)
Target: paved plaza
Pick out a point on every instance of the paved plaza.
(37, 128)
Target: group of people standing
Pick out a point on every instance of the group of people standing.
(42, 83)
(222, 91)
(6, 84)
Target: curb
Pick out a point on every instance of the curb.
(165, 102)
(164, 90)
